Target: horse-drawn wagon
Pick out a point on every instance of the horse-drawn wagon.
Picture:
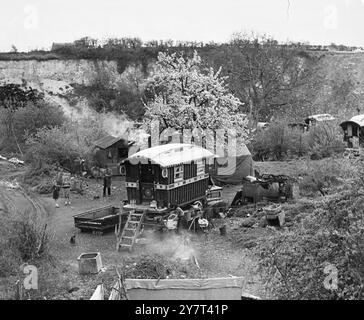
(164, 183)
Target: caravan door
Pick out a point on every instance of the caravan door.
(146, 183)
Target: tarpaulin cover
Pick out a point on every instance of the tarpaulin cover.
(235, 168)
(185, 289)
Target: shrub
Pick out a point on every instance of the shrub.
(329, 236)
(333, 236)
(27, 121)
(325, 140)
(24, 238)
(62, 145)
(259, 146)
(279, 142)
(322, 176)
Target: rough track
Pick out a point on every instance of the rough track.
(7, 202)
(10, 205)
(37, 206)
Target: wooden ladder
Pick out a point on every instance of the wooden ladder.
(131, 229)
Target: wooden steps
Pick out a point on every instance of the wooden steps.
(131, 230)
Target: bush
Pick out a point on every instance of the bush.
(27, 121)
(279, 142)
(333, 235)
(329, 235)
(325, 140)
(29, 241)
(62, 145)
(321, 176)
(24, 238)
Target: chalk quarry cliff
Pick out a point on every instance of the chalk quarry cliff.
(342, 73)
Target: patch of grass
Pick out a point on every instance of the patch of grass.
(24, 239)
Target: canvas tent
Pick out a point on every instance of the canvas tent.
(232, 169)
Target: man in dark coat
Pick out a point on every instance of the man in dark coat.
(107, 182)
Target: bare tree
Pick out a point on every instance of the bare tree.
(267, 76)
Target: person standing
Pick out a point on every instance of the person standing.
(83, 168)
(66, 186)
(59, 176)
(56, 189)
(107, 182)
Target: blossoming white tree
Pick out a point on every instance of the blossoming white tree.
(188, 96)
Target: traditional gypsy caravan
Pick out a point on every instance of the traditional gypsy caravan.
(353, 131)
(167, 185)
(169, 175)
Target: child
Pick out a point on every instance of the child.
(56, 188)
(66, 185)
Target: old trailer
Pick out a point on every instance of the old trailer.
(100, 219)
(161, 179)
(168, 175)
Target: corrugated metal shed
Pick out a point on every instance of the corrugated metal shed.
(107, 141)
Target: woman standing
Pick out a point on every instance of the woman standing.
(66, 186)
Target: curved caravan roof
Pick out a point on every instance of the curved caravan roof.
(171, 154)
(357, 120)
(320, 117)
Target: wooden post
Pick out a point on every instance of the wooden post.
(123, 293)
(18, 290)
(117, 231)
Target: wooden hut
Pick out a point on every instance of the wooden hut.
(168, 175)
(354, 131)
(110, 151)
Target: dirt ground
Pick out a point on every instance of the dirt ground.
(59, 279)
(217, 255)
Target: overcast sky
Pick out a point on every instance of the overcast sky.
(38, 23)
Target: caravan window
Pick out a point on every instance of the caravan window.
(178, 173)
(200, 167)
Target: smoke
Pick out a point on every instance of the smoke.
(117, 125)
(170, 244)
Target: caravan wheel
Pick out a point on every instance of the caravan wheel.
(122, 170)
